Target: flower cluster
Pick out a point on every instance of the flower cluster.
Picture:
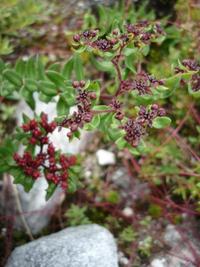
(195, 82)
(85, 36)
(136, 128)
(142, 83)
(38, 135)
(54, 165)
(104, 44)
(144, 32)
(83, 114)
(190, 65)
(89, 37)
(116, 106)
(141, 33)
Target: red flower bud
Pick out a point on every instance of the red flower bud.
(119, 115)
(77, 38)
(32, 141)
(33, 124)
(75, 84)
(82, 83)
(154, 107)
(92, 95)
(26, 127)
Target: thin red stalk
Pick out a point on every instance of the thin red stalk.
(135, 163)
(184, 145)
(173, 133)
(171, 204)
(195, 114)
(102, 111)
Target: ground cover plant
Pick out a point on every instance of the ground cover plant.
(133, 81)
(86, 95)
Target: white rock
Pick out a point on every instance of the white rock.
(128, 212)
(122, 259)
(105, 157)
(37, 211)
(159, 263)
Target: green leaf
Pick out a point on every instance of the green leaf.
(68, 68)
(161, 122)
(80, 49)
(68, 97)
(50, 190)
(31, 85)
(145, 50)
(55, 67)
(162, 88)
(105, 66)
(72, 185)
(45, 98)
(129, 62)
(48, 88)
(128, 51)
(113, 197)
(20, 178)
(28, 97)
(26, 119)
(40, 69)
(13, 77)
(56, 78)
(94, 86)
(20, 67)
(134, 151)
(62, 108)
(31, 71)
(187, 75)
(173, 82)
(28, 183)
(159, 40)
(121, 143)
(101, 107)
(94, 123)
(102, 15)
(18, 175)
(78, 67)
(2, 65)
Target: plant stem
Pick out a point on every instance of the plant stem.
(19, 208)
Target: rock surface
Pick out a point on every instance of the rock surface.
(82, 246)
(183, 243)
(105, 157)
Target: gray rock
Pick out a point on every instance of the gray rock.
(82, 246)
(183, 243)
(183, 259)
(171, 235)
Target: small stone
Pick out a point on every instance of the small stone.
(128, 212)
(158, 263)
(82, 246)
(171, 236)
(122, 259)
(105, 157)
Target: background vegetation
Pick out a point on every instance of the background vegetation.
(167, 165)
